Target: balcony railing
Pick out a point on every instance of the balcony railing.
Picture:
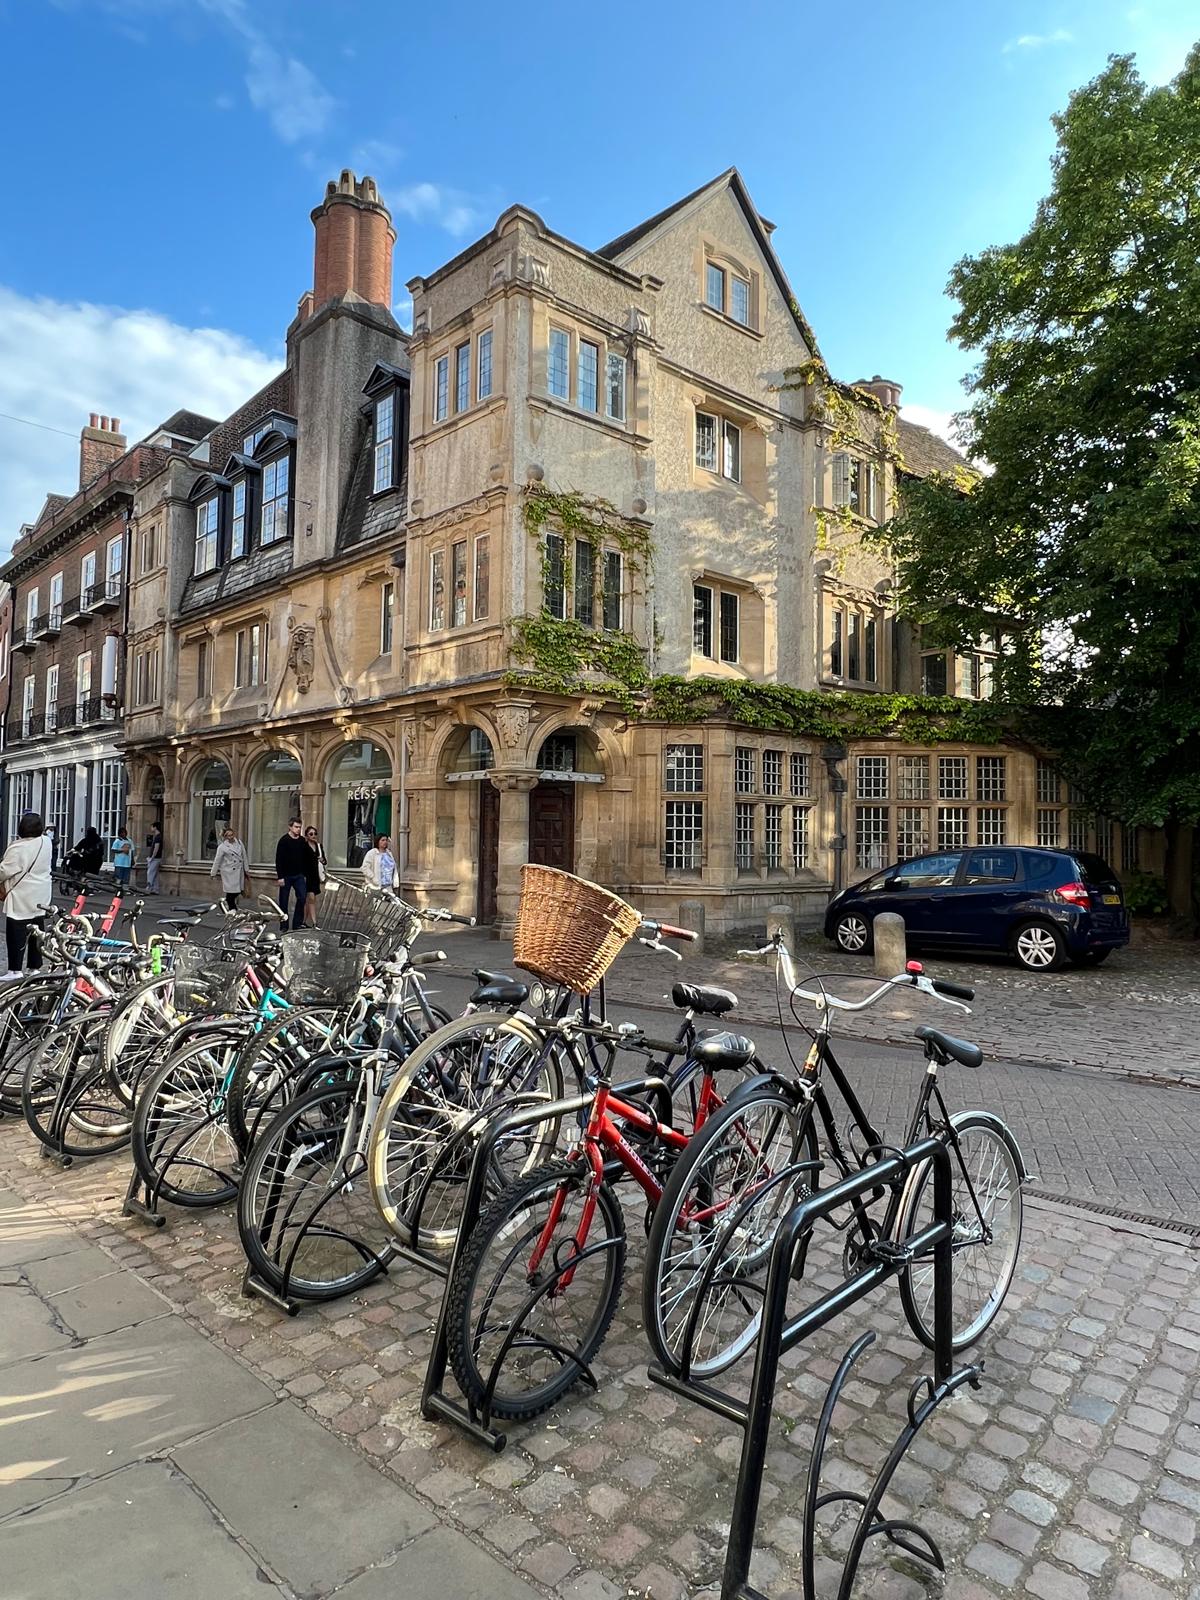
(104, 595)
(58, 718)
(22, 639)
(72, 609)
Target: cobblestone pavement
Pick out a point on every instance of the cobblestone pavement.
(1074, 1472)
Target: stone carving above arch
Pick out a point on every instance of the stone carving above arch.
(301, 654)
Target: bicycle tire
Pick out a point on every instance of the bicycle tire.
(426, 1106)
(140, 1024)
(263, 1070)
(713, 1177)
(26, 1013)
(179, 1128)
(67, 1099)
(999, 1155)
(298, 1139)
(557, 1178)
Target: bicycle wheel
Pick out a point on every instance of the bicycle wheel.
(522, 1241)
(266, 1068)
(726, 1195)
(182, 1146)
(139, 1025)
(25, 1015)
(687, 1088)
(429, 1120)
(305, 1215)
(987, 1207)
(67, 1098)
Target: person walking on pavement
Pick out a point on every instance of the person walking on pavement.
(154, 850)
(24, 886)
(292, 857)
(315, 872)
(379, 865)
(122, 854)
(229, 864)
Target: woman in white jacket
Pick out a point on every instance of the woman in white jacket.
(379, 865)
(25, 878)
(229, 864)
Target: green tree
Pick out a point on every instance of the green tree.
(1084, 531)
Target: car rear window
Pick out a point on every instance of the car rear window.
(1094, 869)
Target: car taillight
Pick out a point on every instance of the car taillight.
(1075, 894)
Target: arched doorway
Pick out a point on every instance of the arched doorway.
(469, 760)
(210, 810)
(358, 803)
(274, 802)
(566, 760)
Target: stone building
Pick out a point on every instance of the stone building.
(420, 584)
(61, 638)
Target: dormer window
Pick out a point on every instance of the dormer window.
(237, 531)
(207, 525)
(385, 429)
(275, 500)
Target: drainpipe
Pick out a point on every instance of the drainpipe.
(832, 755)
(402, 824)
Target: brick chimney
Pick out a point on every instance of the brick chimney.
(884, 390)
(353, 245)
(100, 444)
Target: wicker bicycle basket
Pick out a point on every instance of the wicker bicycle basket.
(208, 978)
(569, 931)
(319, 967)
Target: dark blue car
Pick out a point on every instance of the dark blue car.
(1045, 907)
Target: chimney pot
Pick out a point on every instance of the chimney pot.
(95, 422)
(116, 424)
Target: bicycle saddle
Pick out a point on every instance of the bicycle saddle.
(176, 922)
(717, 1051)
(944, 1045)
(501, 992)
(711, 1002)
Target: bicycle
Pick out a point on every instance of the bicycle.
(703, 1279)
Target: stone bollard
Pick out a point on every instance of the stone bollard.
(783, 918)
(891, 951)
(691, 915)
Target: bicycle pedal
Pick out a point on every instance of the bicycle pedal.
(887, 1250)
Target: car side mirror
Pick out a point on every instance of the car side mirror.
(894, 882)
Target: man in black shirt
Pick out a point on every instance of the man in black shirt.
(291, 869)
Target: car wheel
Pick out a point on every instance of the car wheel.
(1038, 947)
(853, 933)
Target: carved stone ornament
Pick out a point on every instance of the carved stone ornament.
(301, 654)
(410, 739)
(512, 721)
(535, 271)
(639, 322)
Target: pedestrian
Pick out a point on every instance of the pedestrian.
(122, 855)
(90, 852)
(229, 864)
(379, 865)
(315, 875)
(24, 889)
(154, 850)
(291, 870)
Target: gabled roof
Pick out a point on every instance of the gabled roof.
(923, 453)
(730, 179)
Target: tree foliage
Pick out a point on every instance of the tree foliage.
(1084, 532)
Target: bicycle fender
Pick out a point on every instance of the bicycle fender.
(1000, 1127)
(751, 1088)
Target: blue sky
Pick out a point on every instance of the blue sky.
(163, 157)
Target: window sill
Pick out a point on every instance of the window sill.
(458, 419)
(728, 321)
(593, 419)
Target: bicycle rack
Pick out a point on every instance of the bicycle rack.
(778, 1335)
(436, 1404)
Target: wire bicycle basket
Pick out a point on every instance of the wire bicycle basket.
(318, 966)
(385, 921)
(207, 977)
(569, 931)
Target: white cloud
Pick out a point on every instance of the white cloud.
(402, 309)
(1037, 41)
(60, 361)
(289, 93)
(431, 202)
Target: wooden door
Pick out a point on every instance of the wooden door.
(489, 851)
(552, 825)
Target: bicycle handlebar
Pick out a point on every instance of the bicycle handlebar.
(950, 994)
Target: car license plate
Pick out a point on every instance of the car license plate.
(1112, 899)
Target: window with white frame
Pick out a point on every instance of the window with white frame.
(1049, 783)
(87, 575)
(912, 777)
(912, 832)
(772, 771)
(614, 386)
(5, 649)
(991, 825)
(483, 365)
(28, 695)
(437, 590)
(114, 566)
(462, 377)
(743, 836)
(558, 364)
(801, 774)
(745, 777)
(683, 835)
(683, 769)
(83, 681)
(587, 376)
(718, 446)
(385, 431)
(237, 523)
(708, 430)
(714, 286)
(31, 610)
(800, 837)
(990, 782)
(731, 460)
(871, 782)
(22, 797)
(1049, 828)
(56, 600)
(59, 784)
(953, 827)
(441, 388)
(387, 618)
(952, 777)
(250, 656)
(739, 299)
(871, 836)
(207, 522)
(110, 798)
(773, 837)
(275, 499)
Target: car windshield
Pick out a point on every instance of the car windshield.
(1094, 869)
